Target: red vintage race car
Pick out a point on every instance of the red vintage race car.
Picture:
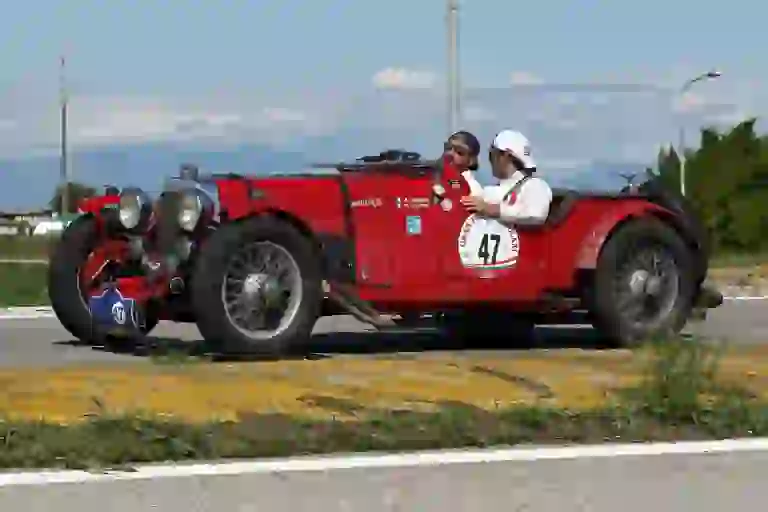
(254, 261)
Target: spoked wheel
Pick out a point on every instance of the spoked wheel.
(256, 288)
(647, 287)
(643, 285)
(262, 290)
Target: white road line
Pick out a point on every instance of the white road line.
(401, 460)
(26, 313)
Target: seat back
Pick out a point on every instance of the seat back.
(563, 202)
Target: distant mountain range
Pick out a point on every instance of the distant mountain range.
(29, 183)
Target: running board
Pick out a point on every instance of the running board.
(357, 307)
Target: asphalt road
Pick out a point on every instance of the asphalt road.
(44, 342)
(674, 483)
(708, 482)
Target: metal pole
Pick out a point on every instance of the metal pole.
(681, 151)
(64, 168)
(453, 66)
(681, 157)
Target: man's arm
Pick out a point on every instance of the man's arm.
(475, 188)
(531, 206)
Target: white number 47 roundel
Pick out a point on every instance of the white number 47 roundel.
(488, 244)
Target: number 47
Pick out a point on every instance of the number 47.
(483, 252)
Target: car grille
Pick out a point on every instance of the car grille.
(168, 231)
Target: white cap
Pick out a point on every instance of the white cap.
(517, 144)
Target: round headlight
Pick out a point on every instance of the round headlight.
(190, 211)
(135, 208)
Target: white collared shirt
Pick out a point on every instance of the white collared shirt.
(528, 205)
(475, 188)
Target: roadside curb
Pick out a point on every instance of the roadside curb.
(41, 311)
(23, 261)
(26, 312)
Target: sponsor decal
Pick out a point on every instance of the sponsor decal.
(118, 313)
(413, 225)
(413, 203)
(374, 202)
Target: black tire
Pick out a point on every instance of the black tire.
(211, 267)
(604, 301)
(67, 301)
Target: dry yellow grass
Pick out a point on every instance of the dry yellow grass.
(343, 388)
(739, 275)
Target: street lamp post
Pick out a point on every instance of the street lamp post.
(452, 16)
(64, 167)
(681, 152)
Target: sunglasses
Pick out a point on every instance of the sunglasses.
(456, 148)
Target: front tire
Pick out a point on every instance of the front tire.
(643, 284)
(233, 290)
(68, 300)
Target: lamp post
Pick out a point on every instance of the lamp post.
(681, 152)
(64, 167)
(452, 20)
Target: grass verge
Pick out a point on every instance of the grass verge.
(681, 395)
(740, 260)
(114, 441)
(23, 284)
(27, 247)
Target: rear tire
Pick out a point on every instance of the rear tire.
(68, 302)
(623, 267)
(215, 318)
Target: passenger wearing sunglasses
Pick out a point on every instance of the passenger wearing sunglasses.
(520, 197)
(463, 149)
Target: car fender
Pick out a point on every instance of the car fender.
(95, 205)
(592, 244)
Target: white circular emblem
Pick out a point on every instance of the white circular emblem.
(447, 205)
(487, 244)
(118, 312)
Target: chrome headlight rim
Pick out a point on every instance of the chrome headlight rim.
(136, 215)
(195, 210)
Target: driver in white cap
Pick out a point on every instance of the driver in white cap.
(520, 197)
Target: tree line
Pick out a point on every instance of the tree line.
(726, 183)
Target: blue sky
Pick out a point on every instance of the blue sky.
(281, 73)
(192, 46)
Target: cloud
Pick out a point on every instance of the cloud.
(478, 113)
(103, 120)
(403, 108)
(116, 120)
(690, 102)
(285, 115)
(402, 78)
(524, 78)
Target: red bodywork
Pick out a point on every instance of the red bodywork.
(396, 271)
